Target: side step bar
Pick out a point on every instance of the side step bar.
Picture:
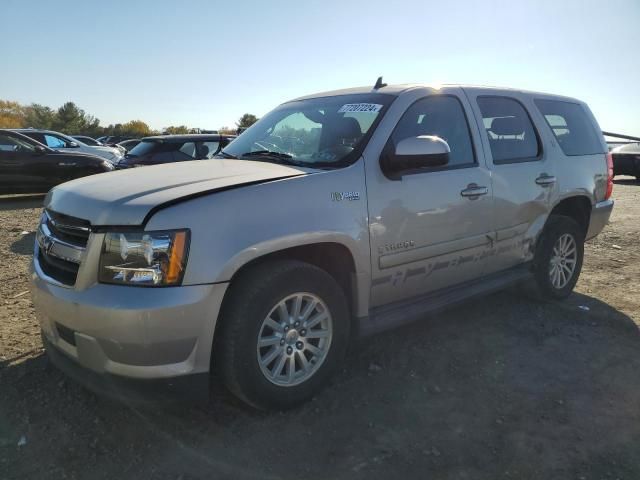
(407, 311)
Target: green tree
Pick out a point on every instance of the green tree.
(246, 120)
(11, 114)
(182, 129)
(39, 116)
(72, 119)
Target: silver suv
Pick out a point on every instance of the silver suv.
(336, 215)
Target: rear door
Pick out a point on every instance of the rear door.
(523, 174)
(430, 229)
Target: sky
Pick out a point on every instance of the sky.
(205, 63)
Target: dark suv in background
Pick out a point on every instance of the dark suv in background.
(174, 148)
(27, 166)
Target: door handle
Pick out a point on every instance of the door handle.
(474, 190)
(545, 180)
(67, 164)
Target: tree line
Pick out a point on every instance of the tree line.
(73, 120)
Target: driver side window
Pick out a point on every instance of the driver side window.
(444, 117)
(54, 142)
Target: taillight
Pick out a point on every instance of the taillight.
(609, 176)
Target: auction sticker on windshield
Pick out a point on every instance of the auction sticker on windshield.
(360, 107)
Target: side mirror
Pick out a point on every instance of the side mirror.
(415, 153)
(39, 150)
(73, 145)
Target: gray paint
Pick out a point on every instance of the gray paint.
(408, 237)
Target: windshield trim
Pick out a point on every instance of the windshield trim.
(354, 155)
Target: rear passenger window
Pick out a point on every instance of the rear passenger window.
(510, 131)
(571, 126)
(444, 117)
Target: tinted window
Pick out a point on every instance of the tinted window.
(572, 127)
(144, 148)
(442, 117)
(12, 144)
(54, 142)
(185, 151)
(509, 128)
(206, 149)
(87, 141)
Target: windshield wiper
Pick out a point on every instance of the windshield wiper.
(266, 153)
(224, 154)
(277, 157)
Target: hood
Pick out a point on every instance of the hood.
(125, 197)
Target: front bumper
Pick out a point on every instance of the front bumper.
(600, 214)
(129, 333)
(193, 387)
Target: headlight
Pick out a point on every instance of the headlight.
(107, 164)
(155, 259)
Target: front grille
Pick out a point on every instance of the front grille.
(69, 229)
(61, 270)
(61, 243)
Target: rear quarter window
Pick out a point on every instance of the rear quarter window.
(571, 126)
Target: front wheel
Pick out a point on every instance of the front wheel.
(558, 258)
(285, 330)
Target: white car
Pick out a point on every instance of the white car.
(60, 141)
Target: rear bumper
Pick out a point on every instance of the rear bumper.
(600, 214)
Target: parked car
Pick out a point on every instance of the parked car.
(92, 142)
(60, 141)
(129, 144)
(626, 160)
(27, 166)
(173, 148)
(334, 216)
(113, 139)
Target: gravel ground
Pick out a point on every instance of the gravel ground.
(500, 388)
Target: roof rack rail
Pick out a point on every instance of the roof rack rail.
(619, 135)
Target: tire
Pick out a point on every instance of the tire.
(258, 295)
(557, 282)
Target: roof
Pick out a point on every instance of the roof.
(41, 130)
(188, 136)
(398, 89)
(629, 148)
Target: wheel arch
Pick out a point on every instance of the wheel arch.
(335, 255)
(577, 207)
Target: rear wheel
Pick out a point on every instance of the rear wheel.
(558, 259)
(285, 330)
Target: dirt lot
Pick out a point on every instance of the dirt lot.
(499, 388)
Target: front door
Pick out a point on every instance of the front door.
(430, 229)
(19, 167)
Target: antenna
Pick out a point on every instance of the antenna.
(379, 84)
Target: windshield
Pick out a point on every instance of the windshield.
(326, 131)
(145, 147)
